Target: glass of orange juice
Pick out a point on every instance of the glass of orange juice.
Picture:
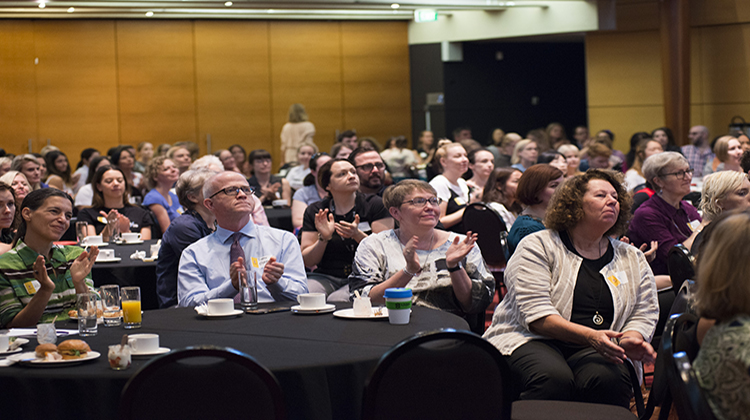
(131, 306)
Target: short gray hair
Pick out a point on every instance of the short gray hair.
(210, 189)
(654, 164)
(192, 182)
(717, 186)
(206, 162)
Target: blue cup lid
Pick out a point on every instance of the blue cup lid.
(397, 293)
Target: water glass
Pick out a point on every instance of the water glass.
(46, 333)
(114, 230)
(131, 306)
(249, 291)
(81, 231)
(86, 305)
(110, 294)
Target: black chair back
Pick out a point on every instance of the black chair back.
(689, 399)
(202, 383)
(680, 263)
(492, 233)
(445, 374)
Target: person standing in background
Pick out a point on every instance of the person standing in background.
(296, 131)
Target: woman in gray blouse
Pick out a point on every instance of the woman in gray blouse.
(579, 303)
(445, 270)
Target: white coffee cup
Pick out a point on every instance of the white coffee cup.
(106, 254)
(311, 300)
(130, 237)
(144, 343)
(4, 342)
(362, 306)
(220, 306)
(92, 240)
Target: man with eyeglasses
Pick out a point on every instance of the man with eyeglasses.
(211, 267)
(370, 169)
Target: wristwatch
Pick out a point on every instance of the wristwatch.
(456, 268)
(322, 239)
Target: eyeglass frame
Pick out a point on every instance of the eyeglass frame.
(690, 171)
(251, 190)
(374, 165)
(437, 201)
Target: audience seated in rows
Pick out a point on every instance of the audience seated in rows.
(161, 174)
(450, 187)
(85, 196)
(29, 166)
(728, 153)
(500, 194)
(634, 177)
(370, 170)
(297, 174)
(311, 192)
(525, 154)
(722, 191)
(481, 165)
(21, 188)
(268, 187)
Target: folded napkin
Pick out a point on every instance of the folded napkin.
(202, 309)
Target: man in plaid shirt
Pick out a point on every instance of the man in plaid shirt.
(699, 151)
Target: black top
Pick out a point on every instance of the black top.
(253, 182)
(339, 254)
(591, 294)
(183, 231)
(455, 203)
(139, 217)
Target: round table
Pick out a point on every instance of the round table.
(321, 361)
(128, 272)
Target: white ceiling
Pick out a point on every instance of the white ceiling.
(252, 9)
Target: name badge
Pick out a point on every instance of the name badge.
(32, 286)
(618, 278)
(101, 219)
(254, 262)
(694, 225)
(262, 261)
(364, 226)
(459, 201)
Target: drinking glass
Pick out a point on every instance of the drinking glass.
(86, 305)
(131, 306)
(81, 231)
(249, 290)
(110, 294)
(114, 231)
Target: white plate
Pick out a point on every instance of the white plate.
(140, 241)
(20, 341)
(297, 309)
(233, 313)
(106, 260)
(29, 359)
(161, 350)
(349, 314)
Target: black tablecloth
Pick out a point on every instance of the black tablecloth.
(321, 361)
(127, 272)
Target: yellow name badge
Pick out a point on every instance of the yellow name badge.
(101, 219)
(614, 280)
(32, 287)
(254, 262)
(459, 201)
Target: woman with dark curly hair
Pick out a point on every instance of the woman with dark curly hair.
(579, 302)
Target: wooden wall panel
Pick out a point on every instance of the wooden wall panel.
(17, 86)
(625, 121)
(306, 68)
(623, 68)
(718, 12)
(725, 63)
(233, 86)
(76, 84)
(156, 75)
(639, 15)
(377, 99)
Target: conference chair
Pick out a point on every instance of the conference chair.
(205, 382)
(445, 374)
(690, 401)
(681, 265)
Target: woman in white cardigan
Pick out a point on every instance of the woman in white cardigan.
(579, 303)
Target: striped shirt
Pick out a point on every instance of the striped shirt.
(18, 285)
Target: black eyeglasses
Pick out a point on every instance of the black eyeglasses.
(679, 174)
(421, 201)
(367, 167)
(233, 191)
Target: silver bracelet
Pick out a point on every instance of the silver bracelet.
(411, 274)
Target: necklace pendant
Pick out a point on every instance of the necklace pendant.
(598, 319)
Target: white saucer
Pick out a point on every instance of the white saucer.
(96, 245)
(106, 260)
(20, 341)
(349, 314)
(161, 350)
(140, 241)
(297, 309)
(233, 313)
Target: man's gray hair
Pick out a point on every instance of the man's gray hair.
(654, 165)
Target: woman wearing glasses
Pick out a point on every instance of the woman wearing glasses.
(444, 270)
(333, 228)
(665, 217)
